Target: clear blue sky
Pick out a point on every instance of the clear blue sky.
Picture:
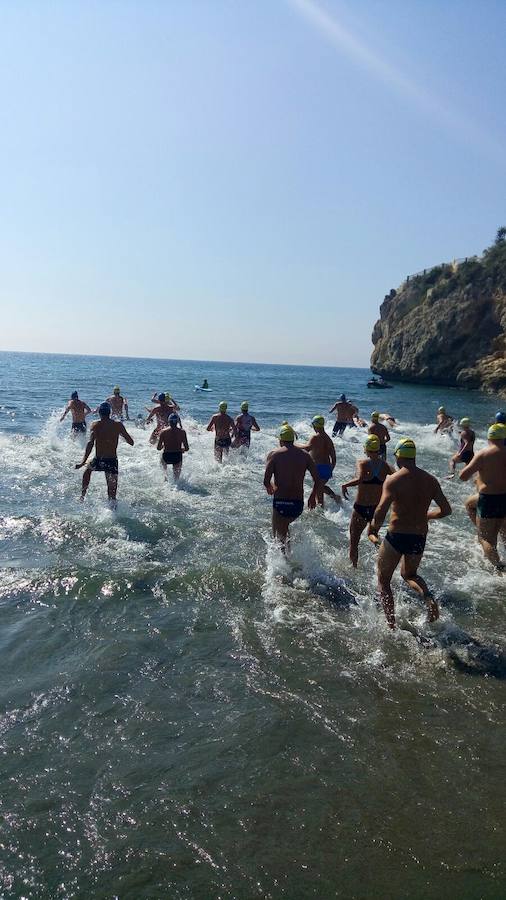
(239, 180)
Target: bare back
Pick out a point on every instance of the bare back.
(289, 465)
(106, 433)
(173, 440)
(78, 410)
(412, 491)
(490, 467)
(380, 431)
(345, 411)
(222, 424)
(321, 449)
(368, 494)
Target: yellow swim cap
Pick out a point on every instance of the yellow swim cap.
(223, 406)
(497, 432)
(116, 390)
(287, 433)
(372, 443)
(405, 449)
(167, 396)
(465, 421)
(318, 421)
(441, 409)
(245, 406)
(375, 417)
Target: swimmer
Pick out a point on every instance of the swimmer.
(224, 428)
(323, 453)
(173, 442)
(466, 451)
(288, 466)
(168, 399)
(381, 432)
(345, 413)
(244, 425)
(118, 404)
(410, 492)
(389, 419)
(489, 467)
(500, 417)
(371, 474)
(162, 413)
(104, 436)
(359, 422)
(79, 410)
(444, 422)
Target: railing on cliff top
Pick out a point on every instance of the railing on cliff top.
(446, 265)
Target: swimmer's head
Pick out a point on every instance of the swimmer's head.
(286, 433)
(104, 410)
(441, 409)
(497, 432)
(465, 422)
(116, 390)
(405, 449)
(375, 417)
(74, 395)
(244, 406)
(318, 423)
(223, 406)
(500, 417)
(173, 419)
(161, 398)
(343, 398)
(372, 444)
(167, 396)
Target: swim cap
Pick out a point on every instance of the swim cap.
(161, 398)
(223, 406)
(343, 398)
(497, 432)
(104, 409)
(405, 449)
(375, 416)
(372, 443)
(74, 395)
(245, 406)
(465, 421)
(116, 390)
(318, 421)
(173, 418)
(167, 396)
(287, 433)
(441, 409)
(500, 417)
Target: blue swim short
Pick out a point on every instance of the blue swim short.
(324, 471)
(289, 509)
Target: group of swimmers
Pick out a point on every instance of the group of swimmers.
(407, 491)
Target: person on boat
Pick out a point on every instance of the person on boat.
(104, 436)
(161, 412)
(345, 412)
(205, 385)
(466, 451)
(224, 428)
(381, 432)
(489, 468)
(323, 453)
(370, 476)
(284, 482)
(244, 425)
(79, 410)
(173, 442)
(119, 406)
(410, 492)
(444, 422)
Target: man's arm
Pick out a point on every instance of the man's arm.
(444, 509)
(313, 471)
(387, 436)
(125, 435)
(151, 414)
(386, 500)
(88, 449)
(185, 441)
(211, 424)
(175, 405)
(254, 425)
(87, 409)
(332, 452)
(159, 445)
(356, 481)
(126, 408)
(333, 408)
(269, 472)
(471, 469)
(66, 413)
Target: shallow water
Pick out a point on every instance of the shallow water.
(184, 713)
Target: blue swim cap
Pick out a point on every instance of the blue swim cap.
(74, 395)
(500, 417)
(161, 398)
(104, 409)
(173, 419)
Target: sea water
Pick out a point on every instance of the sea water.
(186, 714)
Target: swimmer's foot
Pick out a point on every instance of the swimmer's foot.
(448, 477)
(374, 539)
(81, 498)
(432, 609)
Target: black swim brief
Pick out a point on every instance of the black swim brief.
(365, 512)
(80, 427)
(339, 428)
(382, 452)
(289, 509)
(107, 464)
(223, 443)
(466, 456)
(491, 506)
(407, 544)
(243, 438)
(172, 458)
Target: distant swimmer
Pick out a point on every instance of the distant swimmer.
(119, 405)
(244, 425)
(224, 429)
(287, 466)
(381, 432)
(323, 453)
(489, 467)
(345, 412)
(466, 451)
(410, 492)
(371, 474)
(388, 418)
(444, 421)
(161, 412)
(359, 422)
(173, 442)
(79, 410)
(104, 436)
(168, 399)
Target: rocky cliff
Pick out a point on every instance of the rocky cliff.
(447, 325)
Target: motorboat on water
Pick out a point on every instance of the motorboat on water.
(379, 384)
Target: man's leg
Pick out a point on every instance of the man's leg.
(471, 504)
(164, 467)
(86, 482)
(409, 571)
(388, 560)
(176, 469)
(357, 525)
(280, 530)
(112, 487)
(218, 453)
(330, 493)
(488, 532)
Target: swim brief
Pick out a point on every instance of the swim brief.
(382, 452)
(223, 443)
(243, 438)
(79, 427)
(491, 506)
(172, 458)
(324, 471)
(339, 428)
(407, 544)
(466, 456)
(365, 512)
(289, 509)
(107, 464)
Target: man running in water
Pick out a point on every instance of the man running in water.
(104, 436)
(79, 410)
(224, 429)
(162, 413)
(371, 474)
(444, 422)
(168, 399)
(119, 405)
(489, 467)
(323, 453)
(288, 466)
(381, 432)
(244, 425)
(466, 452)
(345, 412)
(174, 443)
(410, 492)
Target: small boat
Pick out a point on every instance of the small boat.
(205, 390)
(379, 384)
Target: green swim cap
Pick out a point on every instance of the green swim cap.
(223, 406)
(375, 417)
(287, 433)
(465, 421)
(167, 396)
(318, 421)
(245, 406)
(441, 409)
(405, 449)
(116, 390)
(497, 432)
(372, 443)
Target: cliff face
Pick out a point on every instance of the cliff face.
(447, 326)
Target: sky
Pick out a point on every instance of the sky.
(209, 179)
